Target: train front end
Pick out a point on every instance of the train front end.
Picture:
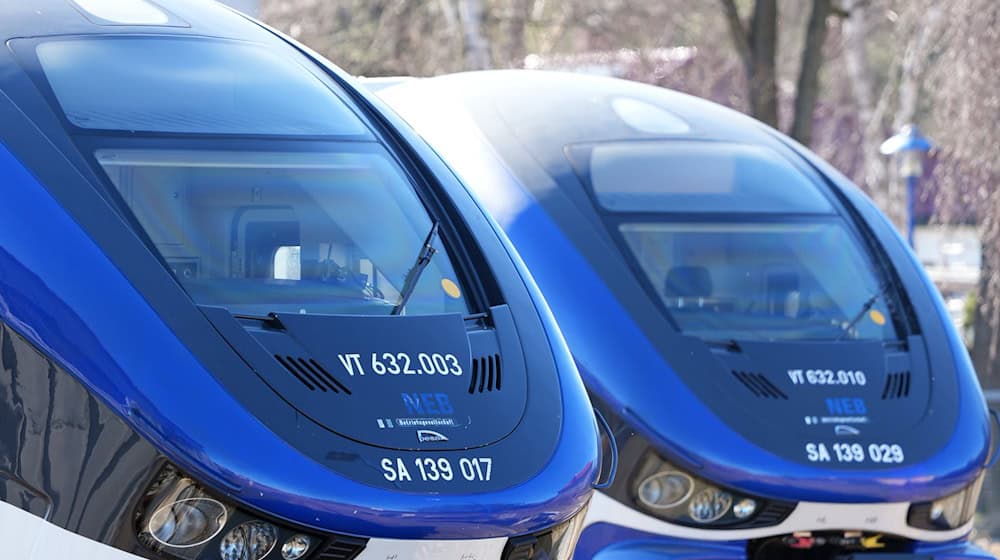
(782, 377)
(246, 315)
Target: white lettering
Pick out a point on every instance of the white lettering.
(349, 361)
(401, 363)
(817, 452)
(885, 453)
(387, 471)
(473, 469)
(403, 473)
(827, 377)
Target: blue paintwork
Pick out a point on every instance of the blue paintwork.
(84, 314)
(61, 291)
(605, 541)
(971, 437)
(619, 363)
(957, 550)
(723, 456)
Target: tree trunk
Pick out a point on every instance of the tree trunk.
(926, 29)
(512, 48)
(807, 91)
(857, 27)
(761, 76)
(986, 321)
(757, 48)
(915, 64)
(449, 14)
(477, 46)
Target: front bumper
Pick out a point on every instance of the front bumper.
(605, 541)
(885, 518)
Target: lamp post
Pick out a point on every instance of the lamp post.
(911, 148)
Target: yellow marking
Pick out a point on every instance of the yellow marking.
(877, 317)
(872, 542)
(451, 288)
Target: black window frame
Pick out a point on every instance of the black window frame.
(899, 307)
(479, 292)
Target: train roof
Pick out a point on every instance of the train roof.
(39, 18)
(551, 110)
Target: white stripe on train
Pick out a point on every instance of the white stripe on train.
(29, 537)
(887, 518)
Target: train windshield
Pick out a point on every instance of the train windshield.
(261, 232)
(738, 244)
(261, 189)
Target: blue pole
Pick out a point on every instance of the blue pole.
(911, 187)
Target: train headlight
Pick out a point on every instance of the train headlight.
(187, 522)
(179, 519)
(177, 516)
(252, 540)
(745, 508)
(295, 547)
(665, 489)
(709, 505)
(667, 492)
(950, 512)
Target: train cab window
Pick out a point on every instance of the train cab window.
(793, 280)
(301, 232)
(690, 176)
(190, 85)
(252, 177)
(738, 243)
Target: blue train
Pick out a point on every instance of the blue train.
(246, 315)
(782, 378)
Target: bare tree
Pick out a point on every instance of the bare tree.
(925, 33)
(857, 29)
(756, 46)
(923, 29)
(511, 42)
(966, 107)
(374, 37)
(449, 13)
(476, 46)
(757, 42)
(807, 91)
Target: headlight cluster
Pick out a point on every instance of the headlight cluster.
(678, 497)
(177, 518)
(947, 513)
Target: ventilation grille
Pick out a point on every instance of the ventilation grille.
(486, 375)
(343, 548)
(759, 385)
(311, 374)
(772, 514)
(897, 386)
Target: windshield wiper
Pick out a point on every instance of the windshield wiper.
(865, 307)
(423, 259)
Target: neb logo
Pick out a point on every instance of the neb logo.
(427, 403)
(846, 406)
